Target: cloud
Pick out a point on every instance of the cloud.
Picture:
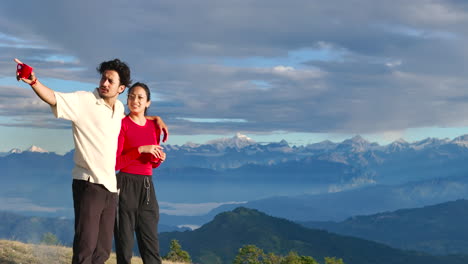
(25, 205)
(378, 66)
(20, 107)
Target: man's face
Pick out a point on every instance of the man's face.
(109, 86)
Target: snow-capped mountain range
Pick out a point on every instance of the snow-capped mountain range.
(241, 166)
(30, 149)
(355, 144)
(33, 148)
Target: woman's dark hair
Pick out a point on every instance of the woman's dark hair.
(145, 87)
(120, 67)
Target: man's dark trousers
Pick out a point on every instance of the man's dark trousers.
(95, 209)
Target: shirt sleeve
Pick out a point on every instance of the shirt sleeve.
(67, 107)
(121, 109)
(124, 159)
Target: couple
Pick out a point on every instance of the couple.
(105, 141)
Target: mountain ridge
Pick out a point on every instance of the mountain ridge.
(259, 171)
(219, 240)
(436, 229)
(240, 141)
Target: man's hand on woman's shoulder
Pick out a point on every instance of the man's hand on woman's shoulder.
(161, 126)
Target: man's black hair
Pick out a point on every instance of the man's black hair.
(120, 67)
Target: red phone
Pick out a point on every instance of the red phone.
(24, 70)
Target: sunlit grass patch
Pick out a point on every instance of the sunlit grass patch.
(14, 252)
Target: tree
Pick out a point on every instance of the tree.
(333, 260)
(294, 258)
(308, 260)
(291, 258)
(250, 254)
(49, 239)
(176, 254)
(271, 258)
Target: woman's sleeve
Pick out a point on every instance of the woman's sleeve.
(124, 157)
(155, 162)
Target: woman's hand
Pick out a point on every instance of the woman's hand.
(163, 156)
(154, 150)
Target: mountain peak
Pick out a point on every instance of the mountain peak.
(356, 143)
(36, 149)
(238, 141)
(30, 149)
(401, 141)
(429, 142)
(356, 140)
(398, 145)
(15, 150)
(326, 144)
(461, 140)
(242, 210)
(359, 139)
(191, 145)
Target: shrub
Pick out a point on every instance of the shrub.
(176, 254)
(49, 239)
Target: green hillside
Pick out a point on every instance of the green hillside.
(437, 229)
(219, 241)
(32, 229)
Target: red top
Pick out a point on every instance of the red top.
(131, 137)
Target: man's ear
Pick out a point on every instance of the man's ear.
(121, 89)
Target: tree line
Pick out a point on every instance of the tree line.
(248, 254)
(251, 254)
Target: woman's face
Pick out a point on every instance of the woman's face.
(137, 100)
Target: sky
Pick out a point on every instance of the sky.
(299, 70)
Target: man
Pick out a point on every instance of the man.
(96, 118)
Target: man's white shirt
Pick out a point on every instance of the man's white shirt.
(96, 130)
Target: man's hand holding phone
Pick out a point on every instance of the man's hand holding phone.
(25, 73)
(23, 70)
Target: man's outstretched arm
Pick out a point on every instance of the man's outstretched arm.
(45, 93)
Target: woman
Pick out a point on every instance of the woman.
(138, 153)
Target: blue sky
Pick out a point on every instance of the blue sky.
(300, 70)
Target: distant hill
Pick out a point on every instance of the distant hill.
(437, 229)
(44, 178)
(338, 206)
(30, 229)
(219, 240)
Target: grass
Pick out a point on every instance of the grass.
(14, 252)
